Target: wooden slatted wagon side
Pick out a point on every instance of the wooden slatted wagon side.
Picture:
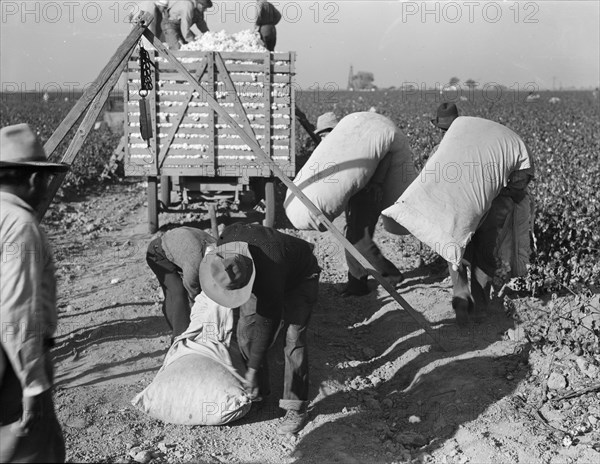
(192, 145)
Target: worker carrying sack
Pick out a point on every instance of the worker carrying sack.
(198, 383)
(344, 163)
(446, 203)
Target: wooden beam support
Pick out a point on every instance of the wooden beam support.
(84, 129)
(86, 99)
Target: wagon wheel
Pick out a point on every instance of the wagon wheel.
(269, 219)
(152, 204)
(165, 191)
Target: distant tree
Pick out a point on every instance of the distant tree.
(363, 80)
(454, 81)
(471, 84)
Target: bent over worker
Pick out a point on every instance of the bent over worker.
(283, 274)
(29, 430)
(175, 259)
(471, 297)
(364, 207)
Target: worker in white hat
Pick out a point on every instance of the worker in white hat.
(282, 272)
(325, 124)
(29, 430)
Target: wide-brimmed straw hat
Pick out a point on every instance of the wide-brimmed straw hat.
(446, 113)
(21, 148)
(227, 274)
(325, 122)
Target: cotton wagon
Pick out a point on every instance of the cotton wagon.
(191, 147)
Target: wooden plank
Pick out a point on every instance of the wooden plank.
(224, 75)
(202, 134)
(89, 120)
(152, 101)
(174, 129)
(167, 70)
(258, 118)
(127, 125)
(293, 108)
(267, 109)
(209, 171)
(220, 153)
(164, 99)
(212, 115)
(237, 78)
(92, 91)
(296, 191)
(246, 56)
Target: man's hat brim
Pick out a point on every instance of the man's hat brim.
(223, 296)
(40, 165)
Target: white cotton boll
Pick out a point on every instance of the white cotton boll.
(243, 41)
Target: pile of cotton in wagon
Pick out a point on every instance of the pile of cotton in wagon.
(249, 86)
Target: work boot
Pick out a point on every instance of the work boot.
(292, 422)
(356, 287)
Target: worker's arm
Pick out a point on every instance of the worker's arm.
(199, 21)
(185, 13)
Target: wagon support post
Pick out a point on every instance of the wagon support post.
(261, 155)
(86, 99)
(90, 102)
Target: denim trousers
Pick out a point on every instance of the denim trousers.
(298, 307)
(176, 304)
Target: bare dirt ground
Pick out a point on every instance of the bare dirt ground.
(381, 390)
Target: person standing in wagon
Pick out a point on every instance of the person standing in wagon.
(267, 18)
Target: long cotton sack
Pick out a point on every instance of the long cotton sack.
(344, 162)
(445, 204)
(198, 383)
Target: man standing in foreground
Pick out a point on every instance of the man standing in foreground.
(283, 273)
(29, 430)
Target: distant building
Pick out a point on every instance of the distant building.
(362, 80)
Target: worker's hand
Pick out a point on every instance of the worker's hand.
(32, 412)
(252, 385)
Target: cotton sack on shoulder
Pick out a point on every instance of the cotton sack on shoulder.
(446, 203)
(344, 162)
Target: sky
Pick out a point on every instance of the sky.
(523, 45)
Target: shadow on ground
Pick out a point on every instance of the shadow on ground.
(384, 370)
